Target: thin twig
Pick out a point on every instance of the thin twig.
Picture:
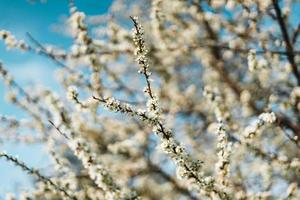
(288, 44)
(58, 129)
(35, 172)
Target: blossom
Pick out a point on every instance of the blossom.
(11, 97)
(12, 42)
(252, 61)
(268, 117)
(165, 107)
(77, 20)
(72, 93)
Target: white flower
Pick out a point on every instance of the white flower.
(268, 117)
(72, 92)
(250, 131)
(76, 20)
(295, 95)
(181, 172)
(252, 62)
(292, 189)
(10, 196)
(245, 96)
(11, 96)
(11, 41)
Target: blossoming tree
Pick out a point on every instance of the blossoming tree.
(167, 99)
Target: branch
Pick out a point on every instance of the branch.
(36, 173)
(286, 38)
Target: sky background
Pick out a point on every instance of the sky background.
(19, 17)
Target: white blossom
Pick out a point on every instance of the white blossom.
(200, 100)
(268, 117)
(252, 60)
(72, 93)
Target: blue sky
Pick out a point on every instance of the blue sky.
(19, 17)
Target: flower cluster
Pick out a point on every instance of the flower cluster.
(96, 170)
(264, 118)
(5, 75)
(141, 53)
(221, 121)
(11, 42)
(65, 193)
(224, 151)
(72, 93)
(77, 24)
